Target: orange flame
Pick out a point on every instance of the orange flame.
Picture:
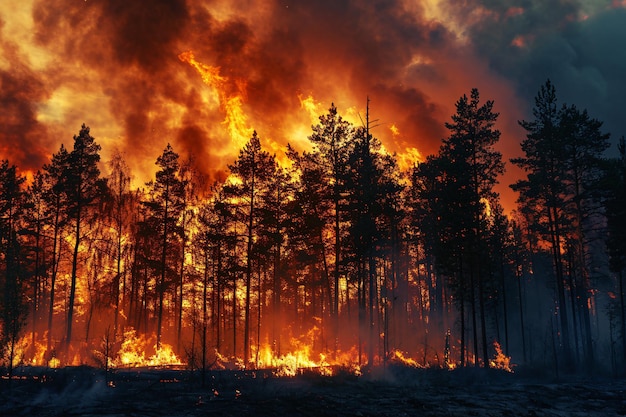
(231, 103)
(501, 361)
(399, 357)
(132, 353)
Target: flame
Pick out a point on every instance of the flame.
(487, 204)
(312, 108)
(501, 361)
(231, 103)
(394, 130)
(132, 353)
(399, 357)
(292, 363)
(301, 356)
(408, 158)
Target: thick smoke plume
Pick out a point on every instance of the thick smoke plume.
(114, 65)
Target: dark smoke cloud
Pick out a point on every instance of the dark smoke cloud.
(114, 65)
(22, 138)
(577, 45)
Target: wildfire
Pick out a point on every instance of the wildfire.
(291, 363)
(501, 361)
(399, 357)
(132, 353)
(311, 107)
(409, 157)
(231, 96)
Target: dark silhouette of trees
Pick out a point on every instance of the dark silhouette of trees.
(615, 185)
(36, 219)
(253, 170)
(340, 251)
(164, 207)
(543, 190)
(56, 202)
(563, 161)
(13, 268)
(330, 139)
(119, 212)
(457, 189)
(82, 187)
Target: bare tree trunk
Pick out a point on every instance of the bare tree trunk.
(55, 267)
(161, 283)
(70, 313)
(622, 312)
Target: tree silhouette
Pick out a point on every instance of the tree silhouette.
(82, 186)
(253, 169)
(330, 139)
(119, 184)
(164, 209)
(13, 310)
(563, 161)
(615, 185)
(56, 201)
(543, 189)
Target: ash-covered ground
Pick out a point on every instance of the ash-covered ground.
(392, 391)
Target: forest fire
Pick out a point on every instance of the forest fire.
(134, 350)
(501, 361)
(218, 200)
(231, 95)
(332, 262)
(285, 201)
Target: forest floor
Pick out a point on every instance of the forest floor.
(393, 391)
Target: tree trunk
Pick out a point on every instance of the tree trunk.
(70, 313)
(555, 234)
(623, 313)
(161, 284)
(55, 267)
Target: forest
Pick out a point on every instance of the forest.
(335, 257)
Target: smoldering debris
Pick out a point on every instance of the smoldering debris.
(392, 390)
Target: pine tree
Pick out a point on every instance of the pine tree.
(583, 157)
(543, 190)
(56, 201)
(36, 221)
(163, 211)
(13, 308)
(253, 169)
(119, 183)
(330, 139)
(616, 229)
(460, 180)
(82, 187)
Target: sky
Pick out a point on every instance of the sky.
(126, 69)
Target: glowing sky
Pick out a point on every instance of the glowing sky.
(114, 65)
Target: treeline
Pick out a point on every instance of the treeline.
(339, 250)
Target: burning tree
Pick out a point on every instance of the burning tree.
(251, 175)
(82, 187)
(13, 272)
(164, 206)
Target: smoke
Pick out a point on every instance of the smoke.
(22, 137)
(113, 65)
(577, 44)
